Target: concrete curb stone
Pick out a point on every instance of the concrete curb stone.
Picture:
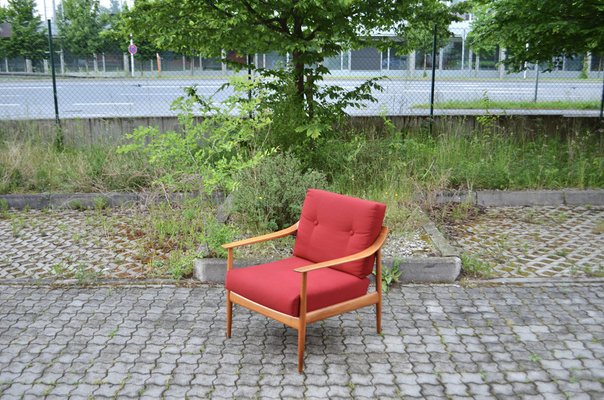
(497, 198)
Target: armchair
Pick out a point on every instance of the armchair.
(338, 242)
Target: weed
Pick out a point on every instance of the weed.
(475, 268)
(3, 207)
(598, 228)
(391, 275)
(59, 269)
(535, 358)
(17, 224)
(112, 334)
(101, 203)
(85, 276)
(77, 204)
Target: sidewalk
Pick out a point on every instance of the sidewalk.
(487, 341)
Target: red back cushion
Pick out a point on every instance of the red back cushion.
(333, 226)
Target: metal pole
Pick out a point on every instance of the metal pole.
(602, 102)
(249, 78)
(433, 78)
(59, 138)
(536, 81)
(132, 56)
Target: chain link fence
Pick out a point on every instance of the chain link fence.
(110, 85)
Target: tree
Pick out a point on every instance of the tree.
(423, 40)
(535, 31)
(307, 30)
(80, 27)
(28, 38)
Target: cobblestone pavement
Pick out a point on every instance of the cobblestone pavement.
(445, 341)
(536, 241)
(70, 243)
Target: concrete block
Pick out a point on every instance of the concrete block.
(76, 200)
(498, 198)
(593, 197)
(442, 246)
(214, 269)
(22, 201)
(455, 197)
(116, 199)
(428, 269)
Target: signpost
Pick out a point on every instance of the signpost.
(132, 49)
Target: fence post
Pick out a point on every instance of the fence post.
(59, 142)
(536, 81)
(433, 78)
(602, 102)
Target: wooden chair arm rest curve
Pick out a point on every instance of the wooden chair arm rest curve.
(263, 238)
(357, 256)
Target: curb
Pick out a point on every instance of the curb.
(519, 198)
(444, 269)
(82, 201)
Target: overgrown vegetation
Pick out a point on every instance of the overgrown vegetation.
(515, 105)
(270, 195)
(31, 163)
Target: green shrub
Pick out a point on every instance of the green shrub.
(215, 235)
(270, 195)
(205, 154)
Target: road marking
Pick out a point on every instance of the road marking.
(178, 86)
(9, 105)
(27, 87)
(151, 94)
(103, 104)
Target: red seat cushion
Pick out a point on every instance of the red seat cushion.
(277, 286)
(333, 226)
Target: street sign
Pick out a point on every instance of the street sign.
(132, 49)
(6, 29)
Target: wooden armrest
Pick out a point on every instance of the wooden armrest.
(263, 238)
(357, 256)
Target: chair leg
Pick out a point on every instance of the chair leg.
(378, 316)
(229, 314)
(301, 343)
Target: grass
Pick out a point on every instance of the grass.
(396, 166)
(514, 105)
(32, 164)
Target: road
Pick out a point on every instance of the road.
(83, 98)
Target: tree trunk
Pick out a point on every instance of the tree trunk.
(299, 78)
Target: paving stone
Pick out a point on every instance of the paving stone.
(535, 241)
(509, 370)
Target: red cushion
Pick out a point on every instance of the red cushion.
(276, 286)
(333, 226)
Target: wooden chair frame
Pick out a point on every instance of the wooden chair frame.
(299, 323)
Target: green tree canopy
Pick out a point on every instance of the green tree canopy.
(308, 30)
(81, 26)
(28, 38)
(538, 30)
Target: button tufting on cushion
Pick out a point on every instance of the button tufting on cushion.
(348, 225)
